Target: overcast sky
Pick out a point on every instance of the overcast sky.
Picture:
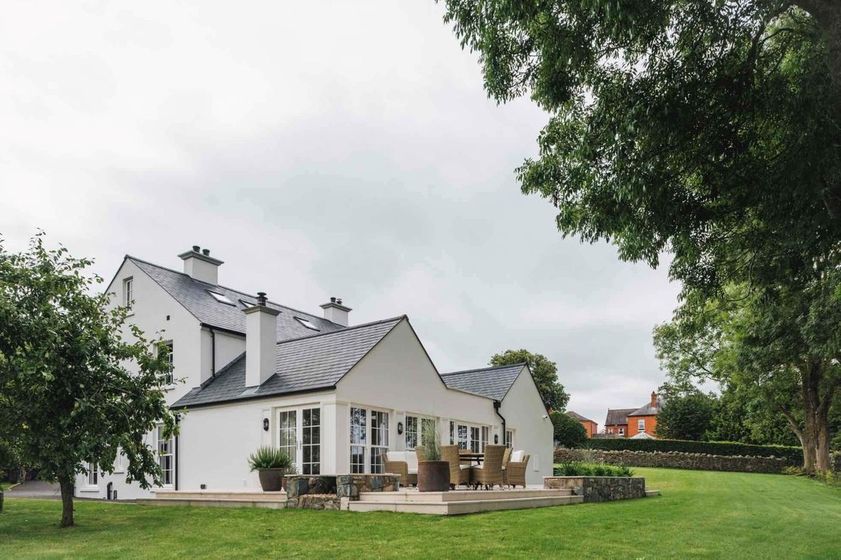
(318, 148)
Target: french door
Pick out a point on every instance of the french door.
(299, 435)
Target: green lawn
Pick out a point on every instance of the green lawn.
(699, 515)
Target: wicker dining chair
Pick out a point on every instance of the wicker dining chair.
(489, 473)
(515, 472)
(459, 474)
(400, 468)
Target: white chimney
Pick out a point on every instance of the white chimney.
(336, 312)
(200, 265)
(260, 342)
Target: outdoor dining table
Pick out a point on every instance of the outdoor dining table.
(470, 457)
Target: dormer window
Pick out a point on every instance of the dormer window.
(307, 324)
(221, 298)
(128, 293)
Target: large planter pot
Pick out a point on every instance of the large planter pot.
(271, 480)
(433, 476)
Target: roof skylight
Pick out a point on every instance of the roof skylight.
(307, 324)
(246, 304)
(221, 298)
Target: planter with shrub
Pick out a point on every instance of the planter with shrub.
(433, 473)
(272, 465)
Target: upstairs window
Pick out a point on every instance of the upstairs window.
(641, 425)
(221, 298)
(165, 349)
(128, 293)
(308, 324)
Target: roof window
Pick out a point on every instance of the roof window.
(307, 324)
(221, 298)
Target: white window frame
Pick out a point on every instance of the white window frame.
(119, 462)
(413, 431)
(170, 346)
(641, 425)
(93, 475)
(128, 293)
(170, 454)
(508, 441)
(367, 442)
(298, 444)
(621, 431)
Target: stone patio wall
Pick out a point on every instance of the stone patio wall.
(599, 488)
(341, 486)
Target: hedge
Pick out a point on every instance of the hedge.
(792, 455)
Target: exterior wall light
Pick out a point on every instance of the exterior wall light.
(400, 428)
(265, 424)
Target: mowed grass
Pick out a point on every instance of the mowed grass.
(699, 515)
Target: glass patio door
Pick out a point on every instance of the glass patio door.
(299, 435)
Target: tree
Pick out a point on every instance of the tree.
(543, 370)
(781, 346)
(711, 130)
(686, 416)
(74, 391)
(568, 431)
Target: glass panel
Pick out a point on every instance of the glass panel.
(452, 433)
(474, 439)
(357, 459)
(379, 439)
(311, 428)
(485, 433)
(165, 457)
(288, 433)
(411, 432)
(462, 436)
(357, 440)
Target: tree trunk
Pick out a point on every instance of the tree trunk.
(67, 488)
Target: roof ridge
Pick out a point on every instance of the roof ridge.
(346, 329)
(521, 364)
(240, 292)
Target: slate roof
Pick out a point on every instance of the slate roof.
(647, 410)
(578, 417)
(303, 364)
(617, 416)
(492, 382)
(193, 295)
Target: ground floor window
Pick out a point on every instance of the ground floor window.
(475, 439)
(311, 441)
(93, 474)
(368, 440)
(411, 432)
(485, 433)
(299, 436)
(166, 458)
(509, 438)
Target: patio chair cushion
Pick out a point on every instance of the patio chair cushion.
(412, 461)
(397, 456)
(517, 456)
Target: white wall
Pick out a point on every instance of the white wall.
(157, 314)
(216, 440)
(524, 410)
(228, 347)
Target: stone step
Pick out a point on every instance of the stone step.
(414, 496)
(212, 502)
(462, 507)
(651, 493)
(220, 495)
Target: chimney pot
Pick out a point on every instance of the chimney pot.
(205, 252)
(339, 301)
(332, 300)
(196, 248)
(261, 298)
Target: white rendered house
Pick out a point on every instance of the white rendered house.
(248, 372)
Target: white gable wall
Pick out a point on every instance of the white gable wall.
(523, 410)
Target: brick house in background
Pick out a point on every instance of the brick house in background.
(644, 419)
(630, 422)
(590, 426)
(616, 423)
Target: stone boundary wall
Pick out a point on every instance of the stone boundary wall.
(599, 488)
(673, 459)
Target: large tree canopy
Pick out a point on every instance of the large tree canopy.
(73, 391)
(707, 129)
(544, 371)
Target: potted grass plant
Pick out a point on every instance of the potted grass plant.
(433, 473)
(272, 465)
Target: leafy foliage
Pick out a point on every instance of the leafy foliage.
(74, 389)
(686, 417)
(794, 455)
(591, 469)
(269, 458)
(544, 371)
(568, 431)
(429, 438)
